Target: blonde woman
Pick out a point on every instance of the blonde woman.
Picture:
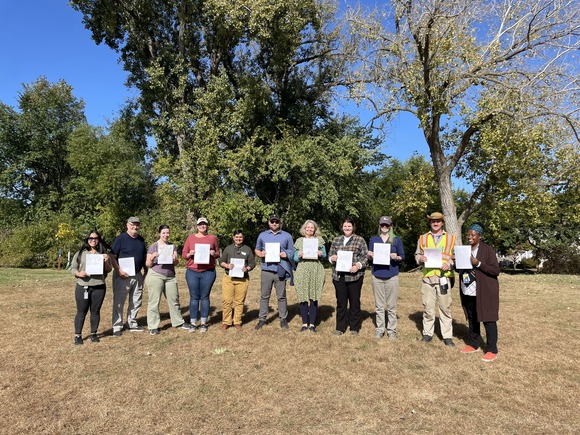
(309, 275)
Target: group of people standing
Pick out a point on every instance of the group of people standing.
(283, 260)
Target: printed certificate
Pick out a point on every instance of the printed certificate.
(201, 255)
(434, 258)
(237, 271)
(344, 261)
(94, 264)
(272, 252)
(165, 254)
(310, 249)
(382, 254)
(127, 264)
(463, 257)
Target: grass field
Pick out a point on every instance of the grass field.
(275, 381)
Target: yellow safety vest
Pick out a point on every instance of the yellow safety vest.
(446, 244)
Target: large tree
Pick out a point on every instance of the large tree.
(470, 71)
(238, 99)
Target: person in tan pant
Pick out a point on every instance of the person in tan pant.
(234, 288)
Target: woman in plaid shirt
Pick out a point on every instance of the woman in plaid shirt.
(348, 284)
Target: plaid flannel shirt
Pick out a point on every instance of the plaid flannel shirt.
(358, 246)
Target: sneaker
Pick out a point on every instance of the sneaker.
(203, 327)
(283, 323)
(304, 328)
(94, 338)
(154, 331)
(353, 332)
(337, 332)
(448, 342)
(238, 327)
(136, 328)
(192, 328)
(260, 325)
(312, 328)
(185, 326)
(468, 349)
(78, 340)
(392, 335)
(224, 327)
(117, 333)
(379, 335)
(427, 338)
(489, 356)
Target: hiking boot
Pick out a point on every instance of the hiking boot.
(427, 338)
(260, 325)
(283, 323)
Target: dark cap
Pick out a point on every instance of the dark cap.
(385, 220)
(133, 220)
(274, 217)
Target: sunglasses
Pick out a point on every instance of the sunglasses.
(93, 238)
(385, 225)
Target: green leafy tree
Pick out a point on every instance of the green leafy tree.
(465, 69)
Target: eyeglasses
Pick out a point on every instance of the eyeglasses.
(93, 238)
(201, 224)
(274, 222)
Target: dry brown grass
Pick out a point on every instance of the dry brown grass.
(275, 381)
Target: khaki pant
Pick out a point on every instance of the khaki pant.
(233, 292)
(156, 285)
(431, 294)
(386, 292)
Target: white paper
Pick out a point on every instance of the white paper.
(237, 271)
(434, 258)
(165, 254)
(272, 252)
(463, 257)
(94, 264)
(344, 261)
(127, 264)
(382, 254)
(310, 249)
(201, 255)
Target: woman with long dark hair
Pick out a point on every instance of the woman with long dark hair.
(91, 288)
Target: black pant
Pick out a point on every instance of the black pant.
(94, 302)
(474, 326)
(348, 292)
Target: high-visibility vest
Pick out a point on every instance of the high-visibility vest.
(446, 244)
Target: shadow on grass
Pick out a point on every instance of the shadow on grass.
(460, 330)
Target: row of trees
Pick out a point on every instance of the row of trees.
(240, 101)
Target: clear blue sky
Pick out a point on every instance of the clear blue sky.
(47, 38)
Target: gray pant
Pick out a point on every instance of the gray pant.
(268, 279)
(132, 286)
(386, 292)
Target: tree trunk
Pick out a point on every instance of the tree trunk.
(448, 204)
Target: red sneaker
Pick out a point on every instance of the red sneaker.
(468, 349)
(488, 357)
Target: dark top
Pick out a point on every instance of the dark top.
(126, 246)
(244, 251)
(383, 271)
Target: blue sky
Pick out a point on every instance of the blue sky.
(47, 38)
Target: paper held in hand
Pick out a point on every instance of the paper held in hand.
(201, 255)
(434, 258)
(310, 249)
(94, 264)
(382, 254)
(344, 261)
(165, 254)
(127, 264)
(237, 271)
(272, 252)
(463, 257)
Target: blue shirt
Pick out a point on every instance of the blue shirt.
(286, 245)
(382, 271)
(126, 246)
